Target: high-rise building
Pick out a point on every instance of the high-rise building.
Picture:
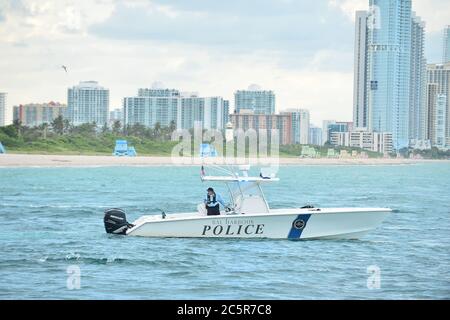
(418, 81)
(389, 68)
(247, 119)
(300, 125)
(432, 93)
(439, 121)
(439, 75)
(6, 116)
(116, 115)
(255, 99)
(88, 102)
(167, 106)
(152, 106)
(226, 111)
(315, 136)
(446, 45)
(208, 111)
(360, 112)
(35, 114)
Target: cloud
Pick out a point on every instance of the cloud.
(436, 13)
(231, 25)
(301, 49)
(29, 19)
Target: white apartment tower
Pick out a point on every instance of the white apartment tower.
(360, 115)
(88, 102)
(300, 125)
(6, 117)
(438, 79)
(418, 81)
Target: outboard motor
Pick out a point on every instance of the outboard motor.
(116, 221)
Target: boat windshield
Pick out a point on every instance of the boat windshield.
(247, 197)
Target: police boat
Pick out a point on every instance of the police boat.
(248, 215)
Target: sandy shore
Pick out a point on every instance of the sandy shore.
(32, 160)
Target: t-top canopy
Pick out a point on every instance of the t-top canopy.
(239, 179)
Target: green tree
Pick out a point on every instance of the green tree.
(105, 128)
(117, 126)
(44, 128)
(85, 129)
(58, 125)
(172, 126)
(18, 127)
(66, 126)
(157, 130)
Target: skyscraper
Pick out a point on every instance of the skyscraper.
(88, 103)
(360, 115)
(5, 112)
(432, 93)
(439, 75)
(389, 68)
(255, 99)
(446, 45)
(418, 81)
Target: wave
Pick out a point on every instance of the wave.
(76, 259)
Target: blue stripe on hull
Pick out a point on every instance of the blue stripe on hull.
(295, 233)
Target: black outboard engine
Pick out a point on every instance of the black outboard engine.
(116, 221)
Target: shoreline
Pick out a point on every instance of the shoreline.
(35, 160)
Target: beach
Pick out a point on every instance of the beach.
(34, 160)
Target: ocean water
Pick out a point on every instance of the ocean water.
(52, 231)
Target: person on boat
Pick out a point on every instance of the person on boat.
(212, 202)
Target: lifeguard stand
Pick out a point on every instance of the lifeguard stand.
(123, 150)
(207, 151)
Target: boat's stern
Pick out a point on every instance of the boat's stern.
(115, 221)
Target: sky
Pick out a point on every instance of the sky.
(300, 49)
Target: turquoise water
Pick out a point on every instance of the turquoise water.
(52, 220)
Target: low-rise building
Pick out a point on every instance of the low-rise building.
(247, 119)
(374, 141)
(35, 114)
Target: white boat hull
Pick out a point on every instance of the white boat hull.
(293, 224)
